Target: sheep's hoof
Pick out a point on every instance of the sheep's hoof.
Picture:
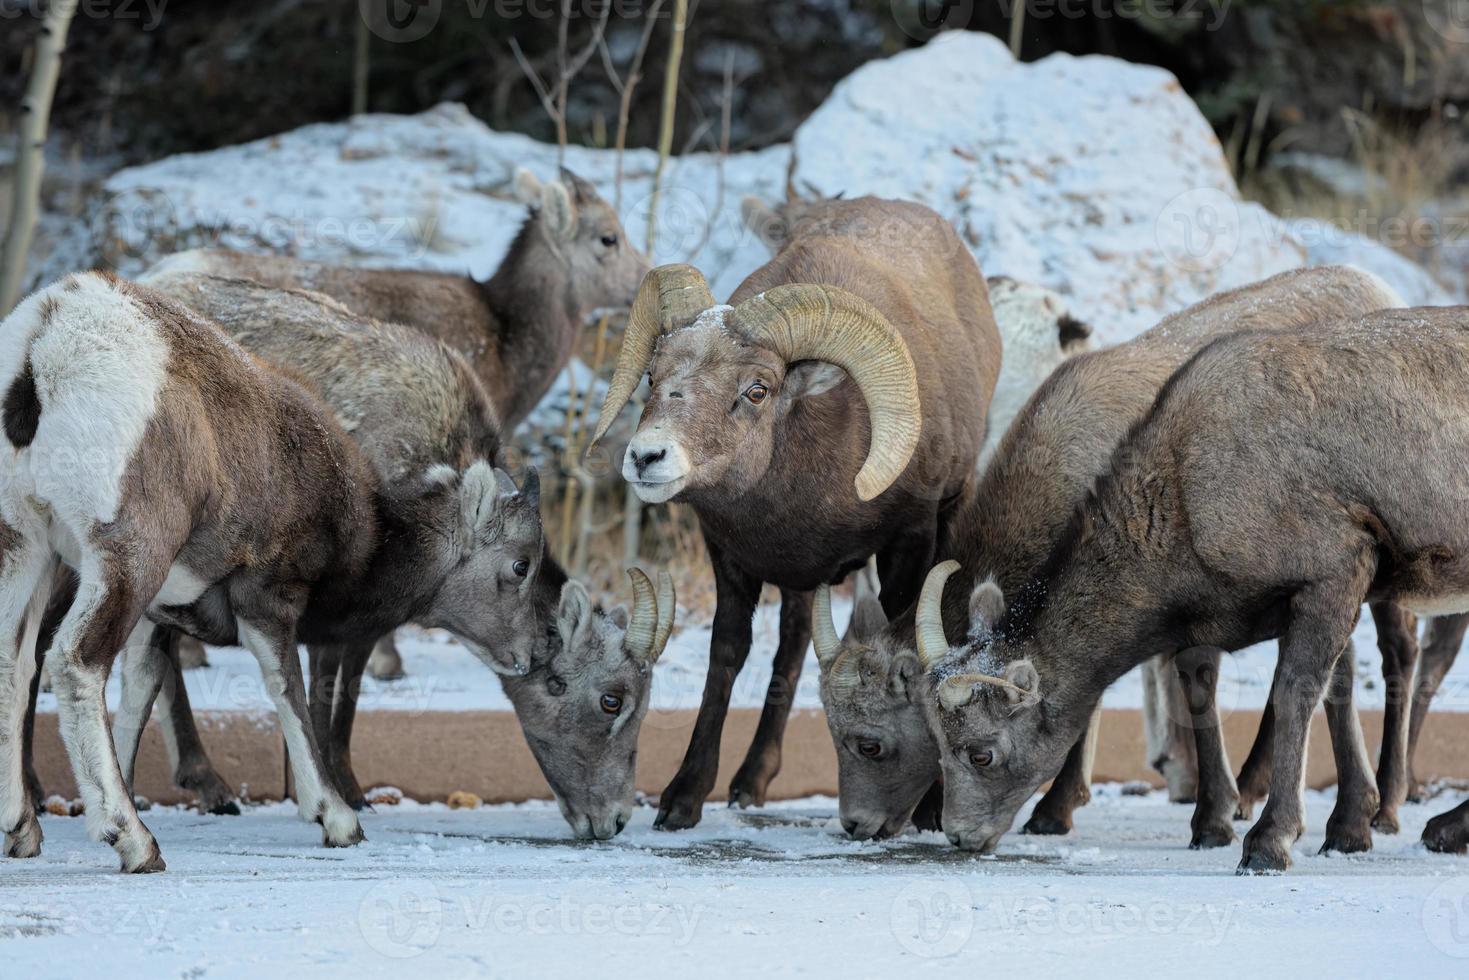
(150, 860)
(1046, 824)
(341, 829)
(1447, 833)
(1211, 836)
(681, 806)
(25, 840)
(1262, 857)
(1386, 821)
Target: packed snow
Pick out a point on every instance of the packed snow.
(502, 891)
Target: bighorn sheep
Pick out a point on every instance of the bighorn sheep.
(578, 676)
(264, 500)
(1282, 478)
(872, 682)
(756, 418)
(1037, 329)
(518, 329)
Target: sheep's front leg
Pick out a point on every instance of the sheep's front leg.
(1321, 622)
(1071, 788)
(1170, 744)
(1198, 674)
(274, 647)
(1349, 829)
(762, 762)
(192, 769)
(144, 667)
(25, 580)
(1398, 640)
(338, 747)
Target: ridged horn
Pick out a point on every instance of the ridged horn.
(928, 619)
(669, 295)
(667, 607)
(823, 630)
(958, 690)
(823, 323)
(642, 626)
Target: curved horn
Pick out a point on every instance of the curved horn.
(928, 620)
(642, 627)
(958, 690)
(823, 630)
(667, 607)
(670, 295)
(824, 323)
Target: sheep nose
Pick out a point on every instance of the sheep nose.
(644, 460)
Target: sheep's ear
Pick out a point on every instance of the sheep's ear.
(573, 613)
(582, 191)
(558, 211)
(806, 379)
(527, 187)
(868, 619)
(1074, 334)
(768, 224)
(903, 676)
(480, 492)
(1027, 689)
(986, 605)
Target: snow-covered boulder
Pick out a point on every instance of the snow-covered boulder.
(430, 191)
(1095, 177)
(1326, 244)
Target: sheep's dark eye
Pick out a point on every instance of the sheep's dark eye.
(611, 703)
(757, 392)
(556, 686)
(981, 759)
(521, 567)
(869, 749)
(609, 240)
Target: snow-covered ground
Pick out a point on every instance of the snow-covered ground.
(502, 892)
(443, 676)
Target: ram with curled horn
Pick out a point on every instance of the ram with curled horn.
(832, 411)
(1022, 508)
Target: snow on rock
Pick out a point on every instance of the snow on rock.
(1093, 176)
(1326, 244)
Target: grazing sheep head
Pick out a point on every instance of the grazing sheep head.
(487, 544)
(583, 705)
(996, 745)
(874, 693)
(583, 233)
(723, 378)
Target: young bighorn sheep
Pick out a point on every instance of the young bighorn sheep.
(1282, 478)
(756, 418)
(112, 392)
(873, 685)
(578, 676)
(1037, 329)
(570, 258)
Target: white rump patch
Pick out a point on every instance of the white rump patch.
(99, 364)
(196, 261)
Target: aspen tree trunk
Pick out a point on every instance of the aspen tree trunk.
(30, 150)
